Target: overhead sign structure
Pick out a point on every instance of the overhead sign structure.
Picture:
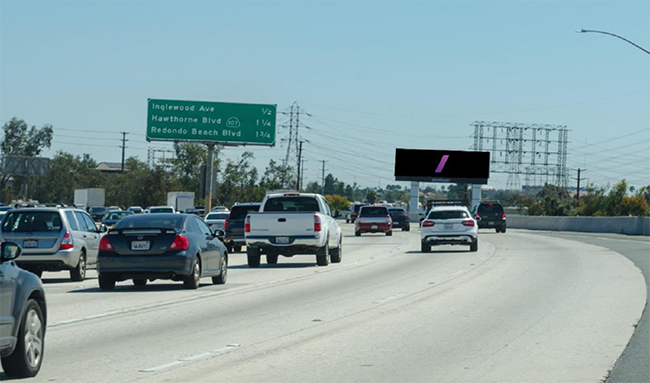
(211, 122)
(446, 166)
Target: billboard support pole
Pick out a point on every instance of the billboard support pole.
(476, 195)
(414, 216)
(208, 178)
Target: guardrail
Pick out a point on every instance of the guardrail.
(619, 225)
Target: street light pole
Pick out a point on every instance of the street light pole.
(611, 34)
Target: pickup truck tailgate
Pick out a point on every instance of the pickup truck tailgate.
(281, 224)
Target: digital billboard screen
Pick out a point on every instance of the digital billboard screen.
(449, 166)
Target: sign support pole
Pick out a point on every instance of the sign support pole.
(414, 200)
(208, 178)
(476, 195)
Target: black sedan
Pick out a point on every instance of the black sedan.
(114, 216)
(23, 314)
(179, 247)
(400, 218)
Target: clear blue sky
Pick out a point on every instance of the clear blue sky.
(375, 75)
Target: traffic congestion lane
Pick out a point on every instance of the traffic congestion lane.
(358, 309)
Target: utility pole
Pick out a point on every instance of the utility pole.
(124, 140)
(578, 189)
(302, 172)
(299, 164)
(322, 184)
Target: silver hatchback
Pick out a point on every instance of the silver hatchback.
(53, 239)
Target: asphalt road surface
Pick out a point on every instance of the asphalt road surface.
(524, 308)
(634, 365)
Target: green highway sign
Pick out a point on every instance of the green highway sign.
(218, 122)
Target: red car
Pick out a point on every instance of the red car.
(373, 219)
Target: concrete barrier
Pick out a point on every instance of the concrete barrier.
(619, 225)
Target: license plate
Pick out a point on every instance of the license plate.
(30, 244)
(490, 223)
(140, 245)
(449, 225)
(281, 239)
(374, 227)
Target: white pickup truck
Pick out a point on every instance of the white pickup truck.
(293, 223)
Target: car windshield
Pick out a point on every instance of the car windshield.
(161, 210)
(397, 212)
(357, 208)
(373, 212)
(17, 222)
(291, 204)
(135, 209)
(240, 212)
(448, 214)
(98, 209)
(216, 216)
(162, 221)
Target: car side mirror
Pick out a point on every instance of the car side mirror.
(102, 229)
(219, 233)
(9, 251)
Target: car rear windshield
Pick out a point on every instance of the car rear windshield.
(97, 209)
(490, 208)
(448, 214)
(240, 212)
(118, 214)
(24, 222)
(217, 216)
(357, 207)
(397, 212)
(373, 212)
(151, 222)
(161, 210)
(291, 204)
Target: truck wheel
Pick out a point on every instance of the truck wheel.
(426, 247)
(347, 220)
(337, 254)
(272, 259)
(389, 233)
(106, 283)
(473, 246)
(78, 274)
(503, 230)
(323, 255)
(237, 249)
(357, 233)
(140, 282)
(254, 256)
(27, 357)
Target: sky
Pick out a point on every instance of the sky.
(372, 76)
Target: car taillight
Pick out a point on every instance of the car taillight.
(67, 242)
(428, 224)
(227, 223)
(469, 222)
(317, 225)
(503, 216)
(105, 244)
(180, 243)
(247, 224)
(478, 216)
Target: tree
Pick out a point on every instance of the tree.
(337, 202)
(371, 197)
(239, 182)
(188, 162)
(277, 176)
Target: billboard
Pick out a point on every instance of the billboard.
(25, 165)
(447, 166)
(211, 122)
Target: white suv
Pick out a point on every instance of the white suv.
(449, 225)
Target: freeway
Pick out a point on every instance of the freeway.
(525, 307)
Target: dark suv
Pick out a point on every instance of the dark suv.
(400, 218)
(352, 214)
(490, 215)
(234, 226)
(23, 312)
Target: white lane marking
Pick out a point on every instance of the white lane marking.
(392, 297)
(458, 272)
(193, 358)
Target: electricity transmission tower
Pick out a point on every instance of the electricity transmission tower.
(294, 141)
